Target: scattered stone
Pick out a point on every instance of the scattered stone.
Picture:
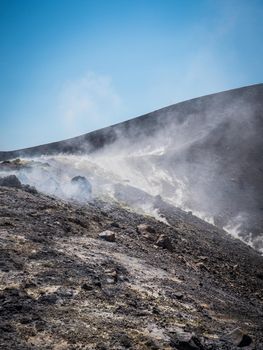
(115, 224)
(201, 265)
(144, 228)
(40, 326)
(178, 295)
(123, 278)
(71, 279)
(87, 287)
(108, 236)
(156, 310)
(203, 258)
(164, 242)
(29, 284)
(147, 231)
(10, 181)
(101, 346)
(152, 344)
(112, 276)
(48, 299)
(125, 341)
(7, 328)
(97, 283)
(142, 313)
(238, 338)
(65, 292)
(186, 341)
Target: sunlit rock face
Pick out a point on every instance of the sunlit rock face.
(203, 155)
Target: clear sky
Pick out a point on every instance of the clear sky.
(72, 66)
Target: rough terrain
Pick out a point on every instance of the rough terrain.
(210, 148)
(144, 284)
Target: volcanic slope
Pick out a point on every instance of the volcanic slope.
(142, 284)
(210, 148)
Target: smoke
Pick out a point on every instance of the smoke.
(202, 156)
(89, 101)
(234, 227)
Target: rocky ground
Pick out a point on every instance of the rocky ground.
(100, 276)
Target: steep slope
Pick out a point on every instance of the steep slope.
(145, 285)
(200, 115)
(204, 155)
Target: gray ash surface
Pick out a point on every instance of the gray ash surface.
(142, 285)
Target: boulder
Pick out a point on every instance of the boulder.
(86, 287)
(147, 231)
(164, 241)
(108, 236)
(83, 184)
(144, 228)
(30, 189)
(178, 295)
(125, 341)
(238, 338)
(111, 276)
(186, 341)
(10, 181)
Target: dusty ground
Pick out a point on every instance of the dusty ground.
(64, 287)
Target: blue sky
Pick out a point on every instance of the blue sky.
(71, 66)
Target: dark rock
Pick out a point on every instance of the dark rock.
(156, 310)
(10, 181)
(142, 313)
(123, 278)
(65, 292)
(152, 344)
(203, 258)
(87, 287)
(29, 284)
(111, 276)
(238, 338)
(201, 265)
(48, 299)
(40, 326)
(144, 228)
(114, 224)
(147, 231)
(125, 341)
(259, 275)
(101, 346)
(108, 236)
(164, 242)
(26, 320)
(178, 295)
(7, 328)
(82, 181)
(30, 189)
(97, 283)
(186, 341)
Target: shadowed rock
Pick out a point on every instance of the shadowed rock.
(10, 181)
